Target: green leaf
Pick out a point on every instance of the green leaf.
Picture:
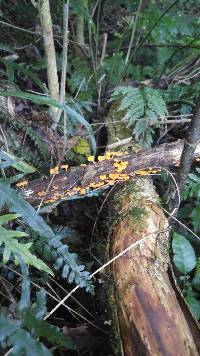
(25, 293)
(7, 327)
(10, 71)
(196, 218)
(21, 68)
(184, 255)
(24, 344)
(13, 246)
(196, 282)
(8, 159)
(52, 333)
(82, 147)
(39, 99)
(19, 164)
(39, 309)
(18, 205)
(194, 305)
(21, 341)
(4, 219)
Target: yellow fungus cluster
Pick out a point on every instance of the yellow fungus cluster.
(22, 184)
(120, 166)
(103, 180)
(55, 170)
(107, 156)
(146, 172)
(41, 194)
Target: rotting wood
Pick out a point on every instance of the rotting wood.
(87, 178)
(150, 318)
(147, 314)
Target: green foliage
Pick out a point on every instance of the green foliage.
(194, 305)
(50, 102)
(12, 66)
(82, 148)
(12, 246)
(8, 159)
(184, 255)
(21, 340)
(23, 332)
(192, 186)
(81, 80)
(185, 261)
(41, 149)
(71, 270)
(182, 93)
(142, 108)
(41, 328)
(192, 190)
(52, 249)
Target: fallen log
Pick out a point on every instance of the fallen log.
(148, 315)
(151, 318)
(109, 169)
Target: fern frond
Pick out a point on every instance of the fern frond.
(15, 333)
(20, 339)
(65, 260)
(38, 142)
(155, 104)
(142, 108)
(192, 186)
(12, 246)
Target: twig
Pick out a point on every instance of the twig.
(134, 21)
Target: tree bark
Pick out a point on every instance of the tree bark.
(151, 320)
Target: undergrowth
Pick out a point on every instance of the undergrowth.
(149, 65)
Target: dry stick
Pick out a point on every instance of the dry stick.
(135, 21)
(64, 63)
(190, 144)
(46, 24)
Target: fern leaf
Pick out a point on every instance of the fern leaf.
(12, 246)
(52, 333)
(140, 106)
(21, 340)
(155, 102)
(25, 293)
(18, 205)
(39, 309)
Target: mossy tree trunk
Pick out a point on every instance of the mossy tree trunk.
(150, 319)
